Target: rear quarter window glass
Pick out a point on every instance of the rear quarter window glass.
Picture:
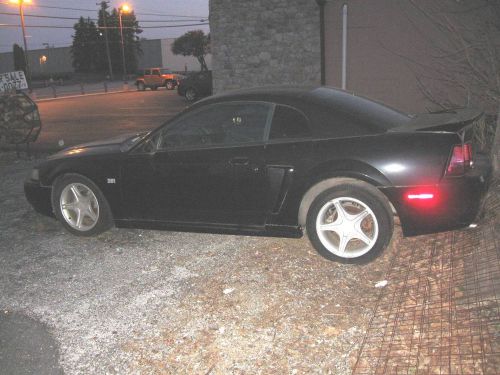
(336, 124)
(373, 116)
(288, 123)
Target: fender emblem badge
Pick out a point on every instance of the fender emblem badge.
(111, 181)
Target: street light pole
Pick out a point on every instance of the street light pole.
(123, 8)
(123, 49)
(26, 59)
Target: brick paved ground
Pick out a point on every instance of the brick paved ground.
(440, 312)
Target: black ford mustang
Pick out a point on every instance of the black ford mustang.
(275, 161)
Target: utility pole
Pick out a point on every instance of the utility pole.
(26, 57)
(104, 5)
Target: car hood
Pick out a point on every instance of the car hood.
(106, 146)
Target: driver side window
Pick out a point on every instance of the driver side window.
(218, 125)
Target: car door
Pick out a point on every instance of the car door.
(147, 77)
(156, 79)
(207, 167)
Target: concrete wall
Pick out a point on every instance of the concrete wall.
(381, 46)
(151, 54)
(58, 60)
(262, 42)
(6, 62)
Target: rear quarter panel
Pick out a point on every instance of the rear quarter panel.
(384, 160)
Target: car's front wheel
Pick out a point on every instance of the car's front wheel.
(141, 86)
(350, 223)
(80, 205)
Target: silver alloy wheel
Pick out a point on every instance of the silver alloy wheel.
(190, 94)
(170, 85)
(79, 206)
(141, 87)
(347, 227)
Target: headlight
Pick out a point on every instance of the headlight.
(35, 174)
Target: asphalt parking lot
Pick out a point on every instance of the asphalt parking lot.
(86, 118)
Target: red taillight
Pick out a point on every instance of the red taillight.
(461, 159)
(468, 155)
(420, 196)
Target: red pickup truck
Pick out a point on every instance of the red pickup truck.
(157, 77)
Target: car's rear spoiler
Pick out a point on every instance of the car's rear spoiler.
(450, 121)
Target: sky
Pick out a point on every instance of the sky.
(164, 11)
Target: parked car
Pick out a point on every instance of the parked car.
(157, 77)
(277, 162)
(196, 86)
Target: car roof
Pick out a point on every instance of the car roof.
(263, 91)
(323, 98)
(315, 93)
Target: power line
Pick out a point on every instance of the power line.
(40, 16)
(94, 19)
(54, 7)
(168, 15)
(96, 10)
(101, 27)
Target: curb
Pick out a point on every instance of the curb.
(80, 95)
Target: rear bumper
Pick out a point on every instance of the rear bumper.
(457, 202)
(39, 197)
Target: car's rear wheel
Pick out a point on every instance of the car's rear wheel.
(190, 94)
(141, 86)
(170, 85)
(350, 223)
(80, 205)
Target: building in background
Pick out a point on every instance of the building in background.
(258, 43)
(156, 53)
(370, 48)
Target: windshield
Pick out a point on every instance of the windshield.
(166, 71)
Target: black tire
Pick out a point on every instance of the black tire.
(90, 226)
(355, 199)
(141, 86)
(170, 85)
(190, 94)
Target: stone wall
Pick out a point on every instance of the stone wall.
(264, 42)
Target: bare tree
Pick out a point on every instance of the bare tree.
(464, 66)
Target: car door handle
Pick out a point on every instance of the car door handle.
(239, 161)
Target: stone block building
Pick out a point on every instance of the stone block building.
(262, 42)
(375, 48)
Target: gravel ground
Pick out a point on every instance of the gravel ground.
(153, 302)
